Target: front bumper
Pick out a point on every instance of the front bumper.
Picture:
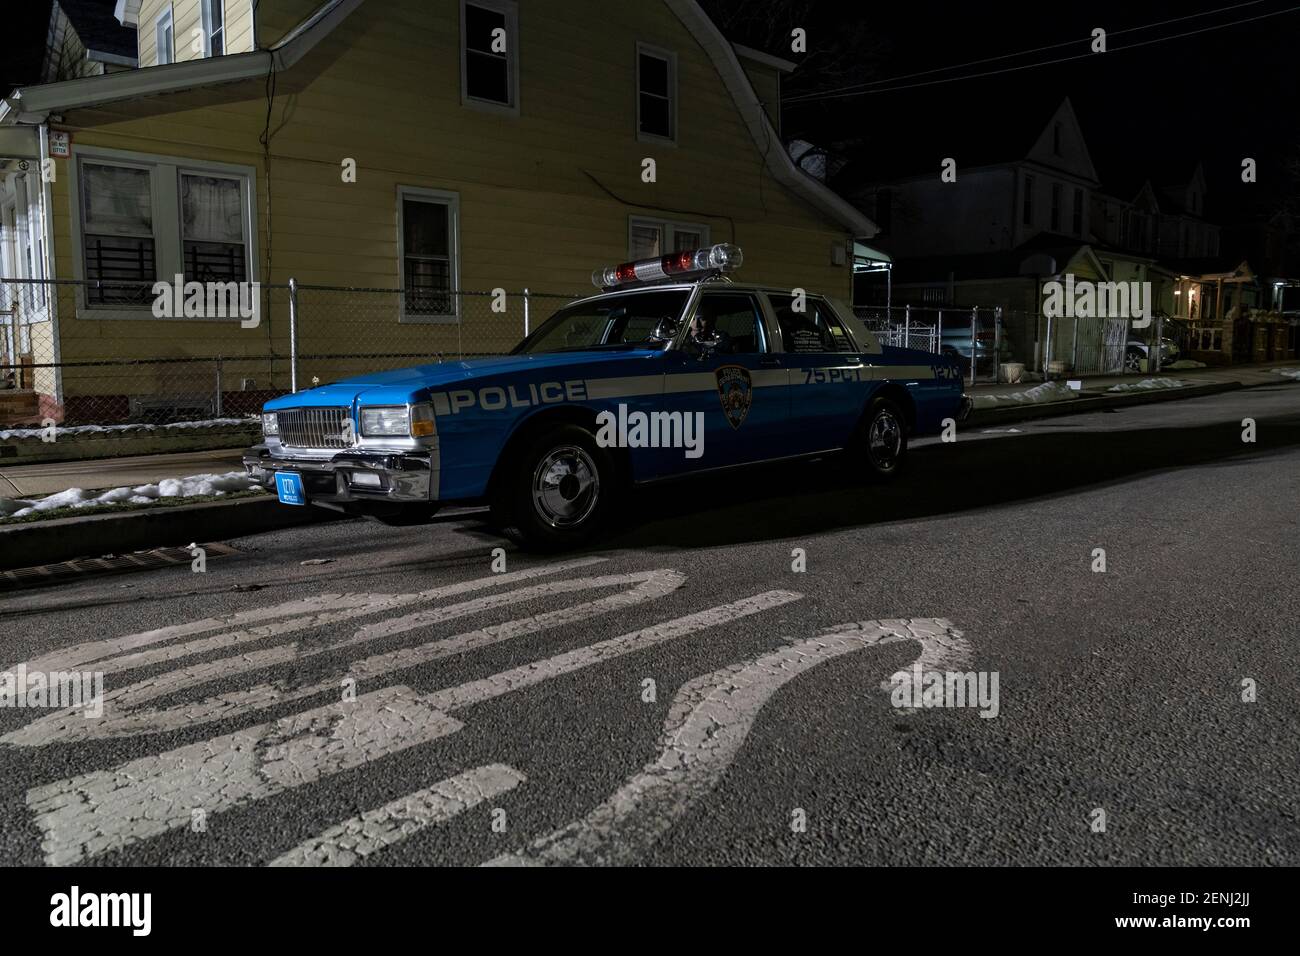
(355, 475)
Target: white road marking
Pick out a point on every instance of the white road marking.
(706, 725)
(124, 715)
(104, 810)
(306, 613)
(357, 838)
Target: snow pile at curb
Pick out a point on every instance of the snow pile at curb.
(1148, 385)
(1291, 373)
(1184, 364)
(1038, 395)
(137, 495)
(82, 430)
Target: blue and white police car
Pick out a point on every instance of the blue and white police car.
(671, 369)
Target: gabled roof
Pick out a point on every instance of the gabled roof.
(31, 104)
(913, 142)
(1044, 254)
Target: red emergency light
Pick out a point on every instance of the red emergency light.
(723, 257)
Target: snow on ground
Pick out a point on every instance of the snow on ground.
(137, 427)
(135, 495)
(1292, 373)
(1148, 385)
(1185, 363)
(1038, 395)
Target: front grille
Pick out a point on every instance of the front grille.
(315, 427)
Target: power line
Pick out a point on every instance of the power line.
(856, 89)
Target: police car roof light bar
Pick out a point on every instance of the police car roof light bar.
(723, 257)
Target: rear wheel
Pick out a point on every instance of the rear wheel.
(880, 445)
(558, 489)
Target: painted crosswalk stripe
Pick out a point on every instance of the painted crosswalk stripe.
(127, 652)
(104, 810)
(354, 840)
(125, 715)
(708, 721)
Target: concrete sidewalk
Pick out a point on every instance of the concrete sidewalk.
(1243, 375)
(45, 478)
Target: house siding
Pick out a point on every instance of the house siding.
(187, 16)
(385, 91)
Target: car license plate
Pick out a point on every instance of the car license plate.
(288, 485)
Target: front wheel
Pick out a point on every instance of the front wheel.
(558, 489)
(880, 446)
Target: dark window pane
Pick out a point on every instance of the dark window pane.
(424, 228)
(733, 321)
(428, 282)
(215, 262)
(479, 24)
(120, 262)
(656, 117)
(487, 77)
(813, 330)
(654, 75)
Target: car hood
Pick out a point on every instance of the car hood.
(403, 385)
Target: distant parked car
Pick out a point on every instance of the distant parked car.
(1136, 352)
(955, 343)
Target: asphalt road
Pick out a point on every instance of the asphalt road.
(400, 701)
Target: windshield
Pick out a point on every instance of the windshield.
(623, 321)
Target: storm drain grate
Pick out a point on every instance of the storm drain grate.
(109, 564)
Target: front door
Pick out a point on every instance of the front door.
(728, 377)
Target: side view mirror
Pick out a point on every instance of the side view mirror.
(665, 329)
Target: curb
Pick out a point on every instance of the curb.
(62, 539)
(1002, 416)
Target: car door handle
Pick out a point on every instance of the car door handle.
(770, 363)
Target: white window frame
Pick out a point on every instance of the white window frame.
(669, 227)
(510, 10)
(206, 8)
(165, 195)
(165, 15)
(452, 201)
(671, 58)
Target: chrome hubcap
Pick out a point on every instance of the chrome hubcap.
(884, 439)
(566, 486)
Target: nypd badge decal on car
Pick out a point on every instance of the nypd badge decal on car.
(736, 392)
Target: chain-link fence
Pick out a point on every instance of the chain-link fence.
(972, 336)
(101, 353)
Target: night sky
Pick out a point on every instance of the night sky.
(1216, 96)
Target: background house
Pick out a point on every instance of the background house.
(477, 167)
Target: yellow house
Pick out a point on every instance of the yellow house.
(429, 152)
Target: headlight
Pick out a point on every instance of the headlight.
(385, 420)
(269, 425)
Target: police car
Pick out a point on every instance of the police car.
(670, 370)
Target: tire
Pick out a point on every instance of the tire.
(1133, 360)
(880, 443)
(557, 491)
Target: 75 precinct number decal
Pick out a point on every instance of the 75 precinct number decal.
(829, 376)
